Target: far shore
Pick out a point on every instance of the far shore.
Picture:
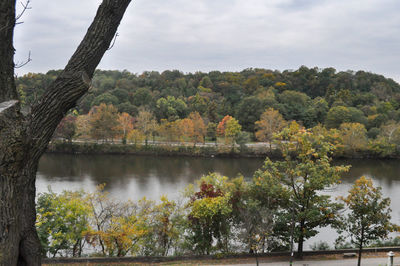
(207, 149)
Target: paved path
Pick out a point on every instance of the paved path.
(346, 262)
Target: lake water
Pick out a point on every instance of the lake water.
(133, 177)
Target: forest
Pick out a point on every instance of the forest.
(362, 107)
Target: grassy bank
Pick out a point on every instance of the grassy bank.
(219, 150)
(162, 149)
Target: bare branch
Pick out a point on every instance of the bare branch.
(113, 42)
(19, 65)
(24, 8)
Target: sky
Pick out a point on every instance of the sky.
(224, 35)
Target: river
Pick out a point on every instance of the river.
(133, 177)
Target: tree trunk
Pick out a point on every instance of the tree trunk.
(360, 246)
(301, 240)
(23, 139)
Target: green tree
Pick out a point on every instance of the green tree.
(232, 131)
(304, 172)
(62, 221)
(170, 108)
(212, 131)
(106, 98)
(338, 115)
(369, 216)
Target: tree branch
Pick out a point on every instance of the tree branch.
(19, 65)
(74, 80)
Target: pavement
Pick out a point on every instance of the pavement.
(343, 262)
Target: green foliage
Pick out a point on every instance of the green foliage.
(340, 114)
(304, 172)
(305, 95)
(369, 216)
(62, 221)
(106, 98)
(321, 245)
(232, 131)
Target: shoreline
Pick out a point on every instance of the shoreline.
(176, 149)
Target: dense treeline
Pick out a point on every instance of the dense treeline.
(173, 106)
(307, 95)
(282, 204)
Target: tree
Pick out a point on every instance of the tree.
(104, 122)
(271, 122)
(304, 172)
(125, 125)
(338, 115)
(136, 136)
(391, 132)
(222, 125)
(186, 129)
(66, 129)
(210, 213)
(23, 139)
(62, 222)
(146, 123)
(212, 131)
(199, 128)
(232, 131)
(354, 136)
(369, 216)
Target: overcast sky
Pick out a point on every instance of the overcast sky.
(225, 35)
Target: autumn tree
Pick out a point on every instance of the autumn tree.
(82, 125)
(186, 129)
(354, 136)
(24, 138)
(211, 213)
(136, 136)
(67, 128)
(270, 123)
(369, 216)
(146, 123)
(169, 130)
(104, 122)
(125, 125)
(222, 125)
(199, 128)
(232, 131)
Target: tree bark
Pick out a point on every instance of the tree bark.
(301, 240)
(360, 246)
(23, 139)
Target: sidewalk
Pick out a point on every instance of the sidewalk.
(343, 262)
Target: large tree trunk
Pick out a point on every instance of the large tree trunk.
(23, 139)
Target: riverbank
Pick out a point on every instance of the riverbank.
(260, 150)
(238, 259)
(165, 149)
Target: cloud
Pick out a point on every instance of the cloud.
(222, 35)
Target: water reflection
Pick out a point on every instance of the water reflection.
(134, 177)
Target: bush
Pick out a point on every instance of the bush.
(321, 245)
